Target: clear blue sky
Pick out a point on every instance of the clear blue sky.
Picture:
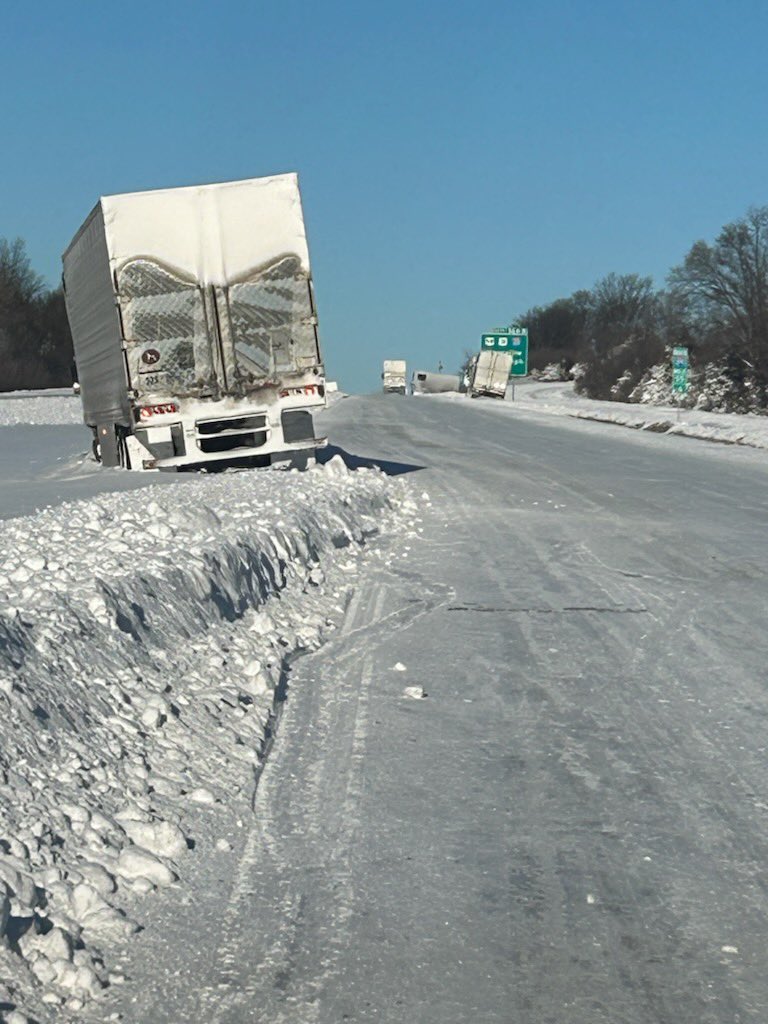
(459, 162)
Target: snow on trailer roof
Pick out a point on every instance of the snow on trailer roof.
(216, 232)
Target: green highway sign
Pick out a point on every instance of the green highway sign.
(680, 369)
(513, 340)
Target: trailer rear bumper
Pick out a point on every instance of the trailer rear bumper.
(277, 454)
(486, 393)
(258, 434)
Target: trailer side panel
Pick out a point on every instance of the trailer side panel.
(95, 323)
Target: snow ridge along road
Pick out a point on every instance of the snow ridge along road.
(144, 642)
(560, 399)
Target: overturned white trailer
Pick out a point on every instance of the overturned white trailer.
(425, 383)
(194, 326)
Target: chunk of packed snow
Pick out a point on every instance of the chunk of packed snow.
(136, 863)
(201, 795)
(159, 837)
(16, 1017)
(414, 692)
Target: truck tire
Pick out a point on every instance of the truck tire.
(122, 447)
(302, 460)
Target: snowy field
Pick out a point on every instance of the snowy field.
(36, 408)
(146, 640)
(45, 455)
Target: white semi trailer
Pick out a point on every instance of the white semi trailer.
(393, 376)
(489, 374)
(194, 326)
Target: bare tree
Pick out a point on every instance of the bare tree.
(622, 307)
(19, 284)
(724, 290)
(35, 342)
(557, 331)
(625, 328)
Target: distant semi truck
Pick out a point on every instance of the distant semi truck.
(425, 383)
(489, 374)
(393, 376)
(194, 327)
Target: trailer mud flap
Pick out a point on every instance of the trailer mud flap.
(108, 447)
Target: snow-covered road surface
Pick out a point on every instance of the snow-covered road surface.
(569, 826)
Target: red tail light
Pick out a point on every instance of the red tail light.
(307, 389)
(148, 411)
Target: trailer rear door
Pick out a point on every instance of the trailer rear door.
(170, 348)
(271, 321)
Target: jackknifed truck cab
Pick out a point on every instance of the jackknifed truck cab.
(194, 326)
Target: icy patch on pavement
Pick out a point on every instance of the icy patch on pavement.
(40, 408)
(143, 640)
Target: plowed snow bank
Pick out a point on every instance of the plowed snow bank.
(143, 637)
(560, 399)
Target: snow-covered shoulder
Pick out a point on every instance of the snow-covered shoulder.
(560, 399)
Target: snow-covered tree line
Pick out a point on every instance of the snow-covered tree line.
(616, 338)
(35, 343)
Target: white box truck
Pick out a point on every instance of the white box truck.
(489, 374)
(194, 326)
(393, 376)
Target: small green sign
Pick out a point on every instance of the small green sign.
(680, 369)
(513, 340)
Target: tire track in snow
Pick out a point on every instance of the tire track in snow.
(307, 818)
(552, 872)
(262, 851)
(551, 905)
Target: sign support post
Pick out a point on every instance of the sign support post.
(679, 374)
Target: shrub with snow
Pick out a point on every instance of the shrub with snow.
(654, 387)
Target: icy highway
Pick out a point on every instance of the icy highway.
(572, 825)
